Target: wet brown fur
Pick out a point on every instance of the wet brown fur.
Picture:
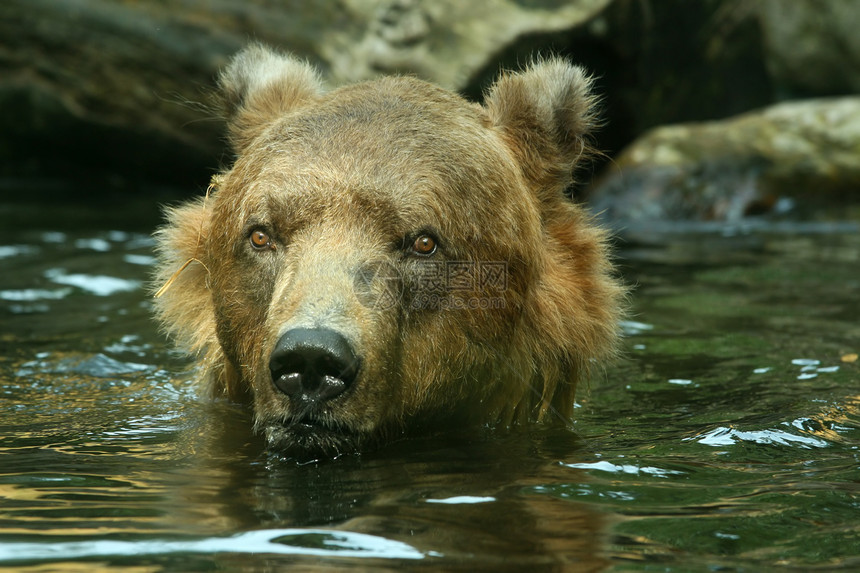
(339, 179)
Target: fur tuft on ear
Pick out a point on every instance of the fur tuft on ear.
(545, 113)
(260, 85)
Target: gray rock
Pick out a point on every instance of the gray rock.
(445, 41)
(802, 154)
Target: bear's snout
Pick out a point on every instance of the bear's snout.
(313, 365)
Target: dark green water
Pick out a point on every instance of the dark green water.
(726, 440)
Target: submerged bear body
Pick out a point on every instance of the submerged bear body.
(387, 257)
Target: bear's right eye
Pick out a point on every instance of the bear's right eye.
(424, 245)
(260, 240)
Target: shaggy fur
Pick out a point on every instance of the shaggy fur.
(343, 182)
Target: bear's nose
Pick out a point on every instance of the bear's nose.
(312, 365)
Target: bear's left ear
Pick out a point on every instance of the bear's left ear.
(545, 115)
(260, 85)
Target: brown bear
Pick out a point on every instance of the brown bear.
(387, 257)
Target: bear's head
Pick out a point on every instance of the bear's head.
(387, 257)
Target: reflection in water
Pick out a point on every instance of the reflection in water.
(729, 428)
(451, 498)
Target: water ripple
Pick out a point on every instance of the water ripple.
(723, 436)
(605, 466)
(99, 285)
(312, 542)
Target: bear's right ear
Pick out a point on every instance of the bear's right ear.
(260, 85)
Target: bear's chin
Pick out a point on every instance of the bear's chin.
(305, 441)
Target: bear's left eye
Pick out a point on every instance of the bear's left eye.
(260, 240)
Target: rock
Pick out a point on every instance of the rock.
(812, 47)
(445, 41)
(804, 154)
(99, 86)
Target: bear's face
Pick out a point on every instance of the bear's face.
(388, 257)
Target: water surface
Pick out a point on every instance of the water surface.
(726, 439)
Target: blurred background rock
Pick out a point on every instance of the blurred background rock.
(714, 109)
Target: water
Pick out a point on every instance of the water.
(727, 439)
